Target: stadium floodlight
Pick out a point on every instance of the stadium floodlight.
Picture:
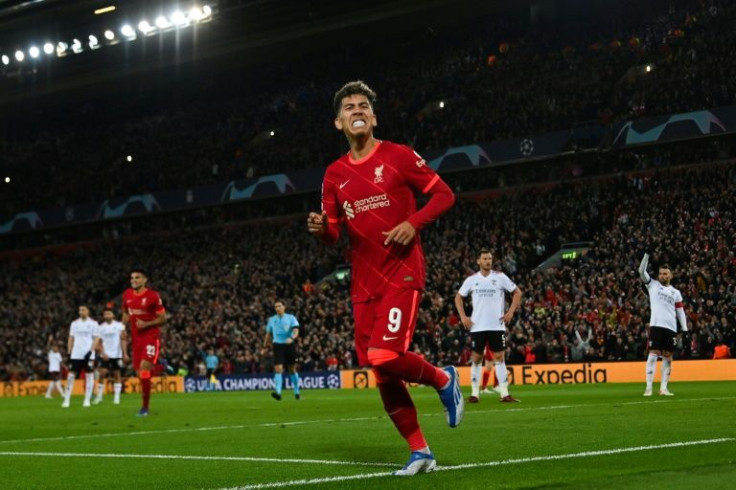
(179, 19)
(442, 104)
(129, 158)
(77, 46)
(128, 31)
(109, 35)
(207, 10)
(649, 68)
(6, 60)
(145, 27)
(61, 49)
(272, 133)
(94, 43)
(48, 48)
(162, 22)
(19, 55)
(34, 51)
(7, 180)
(196, 14)
(105, 10)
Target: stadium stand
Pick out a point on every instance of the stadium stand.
(219, 282)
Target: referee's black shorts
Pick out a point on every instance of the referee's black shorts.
(284, 354)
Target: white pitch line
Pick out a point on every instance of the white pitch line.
(355, 419)
(505, 462)
(193, 458)
(134, 433)
(319, 421)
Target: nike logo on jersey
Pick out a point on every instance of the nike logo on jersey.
(344, 184)
(386, 339)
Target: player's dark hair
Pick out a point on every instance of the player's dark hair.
(357, 87)
(139, 270)
(280, 301)
(484, 251)
(666, 266)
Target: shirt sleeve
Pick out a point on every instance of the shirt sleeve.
(508, 285)
(331, 207)
(415, 170)
(269, 326)
(294, 321)
(465, 288)
(421, 177)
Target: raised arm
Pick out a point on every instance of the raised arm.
(643, 269)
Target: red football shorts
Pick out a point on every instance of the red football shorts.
(386, 322)
(145, 350)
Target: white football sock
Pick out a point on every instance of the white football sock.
(69, 387)
(651, 366)
(89, 386)
(503, 378)
(666, 369)
(476, 372)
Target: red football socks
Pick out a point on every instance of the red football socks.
(486, 375)
(145, 387)
(399, 406)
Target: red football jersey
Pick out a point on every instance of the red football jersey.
(371, 196)
(145, 306)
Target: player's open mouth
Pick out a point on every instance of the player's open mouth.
(358, 124)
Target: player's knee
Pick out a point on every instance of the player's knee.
(380, 378)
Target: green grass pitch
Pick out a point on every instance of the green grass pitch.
(564, 436)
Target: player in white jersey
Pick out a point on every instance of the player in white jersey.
(112, 353)
(55, 362)
(666, 304)
(82, 334)
(487, 323)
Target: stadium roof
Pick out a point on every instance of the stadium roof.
(238, 27)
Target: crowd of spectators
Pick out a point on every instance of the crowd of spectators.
(219, 284)
(501, 78)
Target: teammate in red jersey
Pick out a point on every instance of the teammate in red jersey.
(370, 191)
(144, 311)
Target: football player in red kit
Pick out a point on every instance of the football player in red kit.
(370, 192)
(144, 312)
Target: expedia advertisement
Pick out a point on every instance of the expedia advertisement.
(581, 373)
(171, 384)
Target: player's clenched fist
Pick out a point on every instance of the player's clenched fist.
(317, 223)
